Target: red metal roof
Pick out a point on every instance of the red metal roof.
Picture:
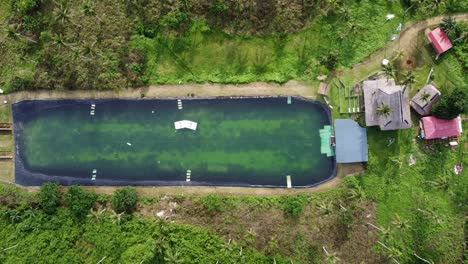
(440, 40)
(440, 128)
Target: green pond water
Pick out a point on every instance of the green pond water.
(255, 141)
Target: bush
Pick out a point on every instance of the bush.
(124, 200)
(212, 203)
(21, 83)
(330, 61)
(452, 105)
(24, 6)
(49, 197)
(80, 202)
(293, 206)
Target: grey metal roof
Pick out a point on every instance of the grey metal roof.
(424, 107)
(396, 97)
(351, 142)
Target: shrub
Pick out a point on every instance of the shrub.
(124, 200)
(212, 203)
(24, 6)
(330, 61)
(452, 105)
(80, 202)
(49, 197)
(21, 83)
(293, 206)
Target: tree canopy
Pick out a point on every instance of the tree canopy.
(124, 200)
(452, 104)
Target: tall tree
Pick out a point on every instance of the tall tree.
(453, 104)
(408, 80)
(389, 70)
(451, 28)
(49, 197)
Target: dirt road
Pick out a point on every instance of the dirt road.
(406, 44)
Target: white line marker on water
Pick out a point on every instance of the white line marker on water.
(179, 104)
(288, 181)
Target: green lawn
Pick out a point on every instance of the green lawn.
(206, 54)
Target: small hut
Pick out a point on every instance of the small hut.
(435, 128)
(440, 40)
(423, 101)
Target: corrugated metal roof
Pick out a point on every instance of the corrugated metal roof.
(351, 142)
(440, 40)
(396, 97)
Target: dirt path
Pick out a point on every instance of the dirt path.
(406, 43)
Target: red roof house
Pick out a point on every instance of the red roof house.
(439, 40)
(440, 128)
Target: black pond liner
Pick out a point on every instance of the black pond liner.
(25, 177)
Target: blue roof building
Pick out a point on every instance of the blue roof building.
(351, 142)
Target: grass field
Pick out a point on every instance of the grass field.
(206, 54)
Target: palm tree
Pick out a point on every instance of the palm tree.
(173, 257)
(389, 70)
(400, 223)
(344, 12)
(116, 218)
(383, 110)
(442, 183)
(450, 27)
(356, 194)
(88, 8)
(425, 96)
(333, 5)
(89, 51)
(14, 31)
(409, 80)
(325, 207)
(332, 257)
(96, 214)
(392, 252)
(398, 55)
(61, 12)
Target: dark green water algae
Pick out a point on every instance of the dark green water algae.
(238, 142)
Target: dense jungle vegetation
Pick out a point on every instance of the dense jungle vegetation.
(117, 44)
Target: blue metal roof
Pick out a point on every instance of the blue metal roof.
(351, 142)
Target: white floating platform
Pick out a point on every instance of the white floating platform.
(185, 124)
(288, 181)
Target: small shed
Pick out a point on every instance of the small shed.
(423, 101)
(435, 128)
(351, 142)
(440, 40)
